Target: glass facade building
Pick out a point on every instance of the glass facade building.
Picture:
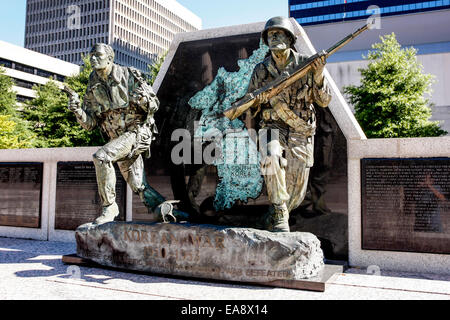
(308, 12)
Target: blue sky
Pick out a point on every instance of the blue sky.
(213, 13)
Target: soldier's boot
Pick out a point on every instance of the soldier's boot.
(109, 213)
(280, 219)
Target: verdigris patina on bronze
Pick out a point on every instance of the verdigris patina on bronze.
(122, 104)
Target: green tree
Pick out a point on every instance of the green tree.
(13, 135)
(7, 96)
(80, 81)
(391, 102)
(54, 124)
(15, 132)
(155, 67)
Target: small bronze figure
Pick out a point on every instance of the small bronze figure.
(122, 104)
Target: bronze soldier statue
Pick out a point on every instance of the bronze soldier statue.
(122, 104)
(291, 115)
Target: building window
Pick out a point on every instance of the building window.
(24, 68)
(44, 73)
(23, 84)
(22, 99)
(334, 14)
(6, 63)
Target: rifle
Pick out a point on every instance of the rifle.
(284, 81)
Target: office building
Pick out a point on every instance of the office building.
(423, 25)
(28, 68)
(138, 30)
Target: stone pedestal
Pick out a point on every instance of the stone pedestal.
(202, 251)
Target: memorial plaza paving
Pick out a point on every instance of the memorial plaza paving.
(33, 270)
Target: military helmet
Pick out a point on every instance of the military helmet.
(282, 23)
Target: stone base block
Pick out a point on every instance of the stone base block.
(202, 251)
(318, 283)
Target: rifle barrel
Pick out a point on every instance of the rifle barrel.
(346, 40)
(247, 101)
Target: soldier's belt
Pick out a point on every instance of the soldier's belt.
(292, 120)
(272, 115)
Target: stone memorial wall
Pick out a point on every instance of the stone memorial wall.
(399, 216)
(20, 194)
(77, 198)
(405, 205)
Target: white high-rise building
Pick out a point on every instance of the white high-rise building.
(28, 68)
(138, 30)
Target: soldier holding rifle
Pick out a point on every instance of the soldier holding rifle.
(285, 89)
(288, 121)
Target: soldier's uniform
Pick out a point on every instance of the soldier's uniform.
(289, 155)
(128, 124)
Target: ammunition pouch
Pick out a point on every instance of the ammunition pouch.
(293, 120)
(270, 115)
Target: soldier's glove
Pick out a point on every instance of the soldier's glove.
(261, 98)
(318, 67)
(74, 100)
(74, 105)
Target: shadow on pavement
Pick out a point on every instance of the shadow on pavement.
(49, 255)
